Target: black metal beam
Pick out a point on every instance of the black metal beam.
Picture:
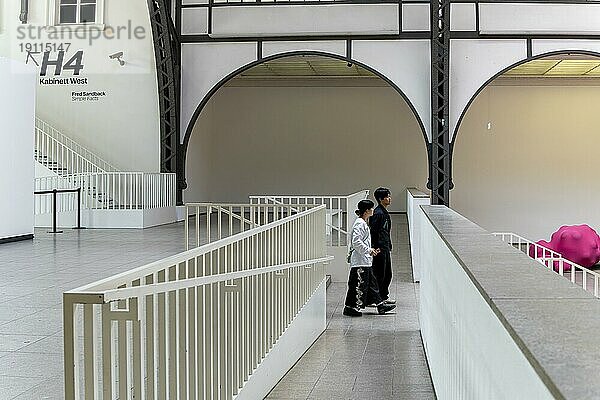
(204, 38)
(440, 180)
(167, 54)
(23, 17)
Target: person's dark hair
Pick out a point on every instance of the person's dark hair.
(363, 206)
(381, 193)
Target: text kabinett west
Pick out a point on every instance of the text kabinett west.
(63, 81)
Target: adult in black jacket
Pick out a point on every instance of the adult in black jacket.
(381, 224)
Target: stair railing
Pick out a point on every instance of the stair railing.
(63, 155)
(126, 190)
(110, 191)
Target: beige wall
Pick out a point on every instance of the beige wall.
(537, 167)
(304, 140)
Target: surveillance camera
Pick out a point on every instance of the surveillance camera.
(117, 56)
(349, 65)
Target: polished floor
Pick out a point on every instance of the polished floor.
(370, 357)
(33, 276)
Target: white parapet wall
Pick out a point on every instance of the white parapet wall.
(414, 199)
(498, 325)
(17, 105)
(338, 268)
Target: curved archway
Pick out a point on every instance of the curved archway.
(392, 118)
(527, 151)
(503, 71)
(222, 82)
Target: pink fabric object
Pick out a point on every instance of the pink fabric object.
(577, 243)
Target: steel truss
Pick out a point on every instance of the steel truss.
(440, 151)
(167, 44)
(167, 53)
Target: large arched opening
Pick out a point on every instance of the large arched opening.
(525, 148)
(306, 123)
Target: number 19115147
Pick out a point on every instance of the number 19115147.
(42, 47)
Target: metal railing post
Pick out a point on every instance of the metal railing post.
(54, 212)
(79, 209)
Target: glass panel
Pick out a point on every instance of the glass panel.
(68, 14)
(66, 2)
(88, 1)
(88, 14)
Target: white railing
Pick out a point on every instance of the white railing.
(111, 191)
(584, 277)
(42, 204)
(208, 222)
(126, 190)
(340, 210)
(63, 155)
(195, 325)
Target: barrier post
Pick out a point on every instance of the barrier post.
(54, 212)
(79, 209)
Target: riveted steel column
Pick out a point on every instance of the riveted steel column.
(23, 16)
(440, 180)
(167, 55)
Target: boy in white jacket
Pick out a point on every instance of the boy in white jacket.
(362, 285)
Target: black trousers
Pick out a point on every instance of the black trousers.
(362, 288)
(382, 269)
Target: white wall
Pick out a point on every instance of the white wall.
(122, 127)
(537, 167)
(304, 140)
(414, 200)
(17, 111)
(470, 352)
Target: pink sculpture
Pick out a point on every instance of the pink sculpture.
(577, 243)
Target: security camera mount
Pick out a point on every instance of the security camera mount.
(117, 56)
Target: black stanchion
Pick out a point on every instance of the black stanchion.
(54, 212)
(79, 210)
(54, 193)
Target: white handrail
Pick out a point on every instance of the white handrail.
(126, 190)
(152, 268)
(337, 207)
(112, 190)
(64, 155)
(197, 323)
(137, 291)
(555, 261)
(230, 219)
(42, 204)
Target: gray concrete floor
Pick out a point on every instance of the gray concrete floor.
(33, 276)
(370, 357)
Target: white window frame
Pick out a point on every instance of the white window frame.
(54, 15)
